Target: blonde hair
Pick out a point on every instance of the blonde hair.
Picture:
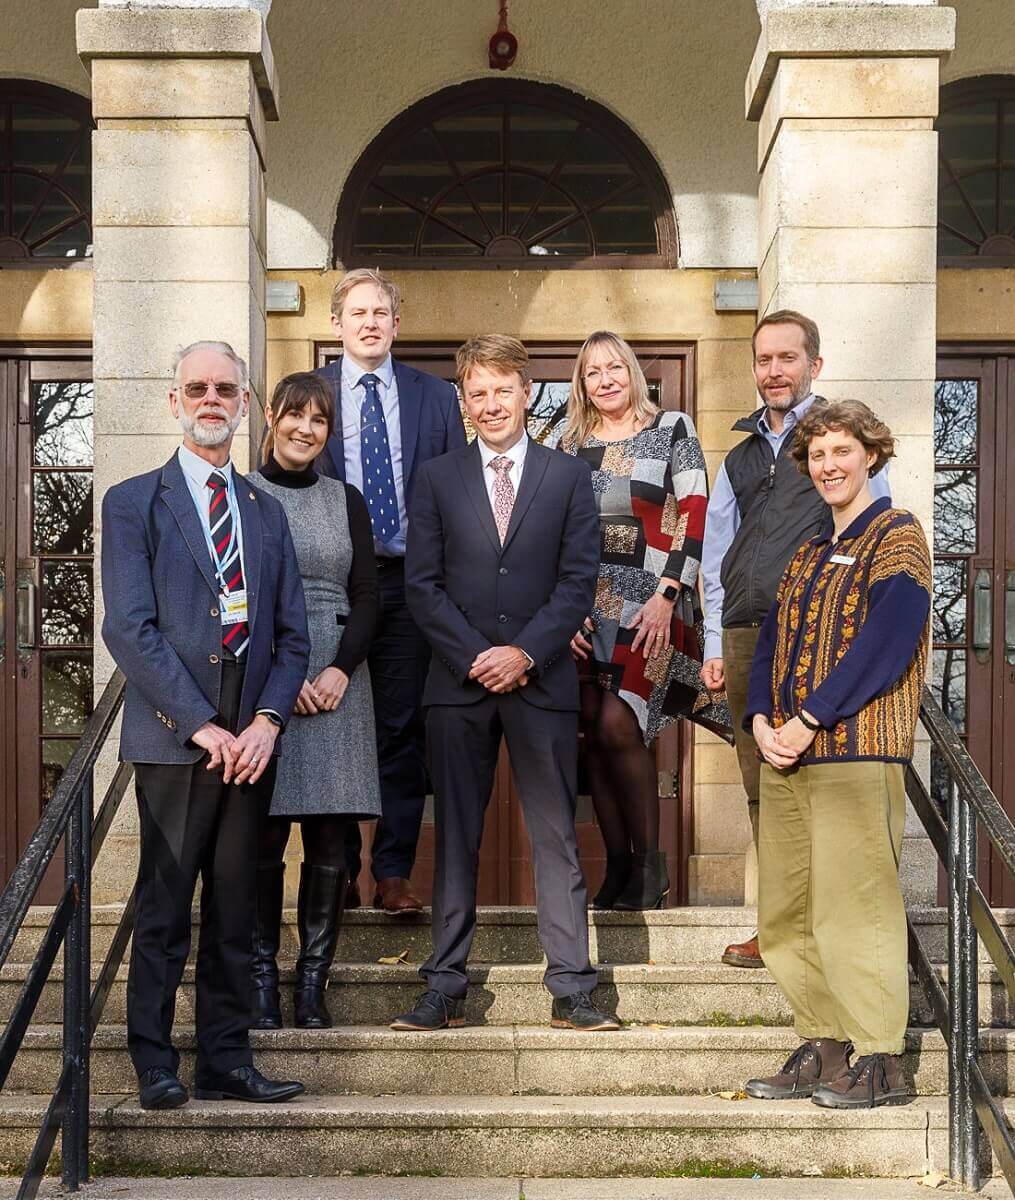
(494, 350)
(364, 275)
(582, 414)
(293, 394)
(844, 416)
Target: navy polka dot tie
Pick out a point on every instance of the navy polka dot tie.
(375, 455)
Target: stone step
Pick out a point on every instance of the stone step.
(513, 994)
(498, 1137)
(505, 1060)
(385, 1187)
(509, 934)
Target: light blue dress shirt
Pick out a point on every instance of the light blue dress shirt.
(353, 395)
(722, 520)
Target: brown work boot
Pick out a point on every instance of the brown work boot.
(396, 896)
(813, 1063)
(743, 954)
(872, 1080)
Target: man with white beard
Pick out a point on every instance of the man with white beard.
(205, 617)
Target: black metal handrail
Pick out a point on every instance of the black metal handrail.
(69, 813)
(971, 1105)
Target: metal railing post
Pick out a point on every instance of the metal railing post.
(958, 1075)
(76, 990)
(970, 991)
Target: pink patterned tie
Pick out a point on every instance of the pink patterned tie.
(503, 494)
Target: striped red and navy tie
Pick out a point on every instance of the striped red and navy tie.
(230, 569)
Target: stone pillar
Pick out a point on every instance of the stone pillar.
(845, 98)
(180, 96)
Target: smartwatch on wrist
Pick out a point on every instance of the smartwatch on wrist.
(668, 592)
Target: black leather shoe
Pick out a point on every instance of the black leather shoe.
(247, 1083)
(578, 1012)
(433, 1011)
(159, 1088)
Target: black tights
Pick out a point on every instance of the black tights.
(622, 772)
(323, 840)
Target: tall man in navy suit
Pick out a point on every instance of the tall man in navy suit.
(501, 570)
(393, 419)
(205, 617)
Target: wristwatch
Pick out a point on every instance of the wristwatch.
(668, 591)
(272, 716)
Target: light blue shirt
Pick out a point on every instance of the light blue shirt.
(197, 471)
(353, 395)
(722, 520)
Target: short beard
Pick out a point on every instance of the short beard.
(202, 435)
(799, 393)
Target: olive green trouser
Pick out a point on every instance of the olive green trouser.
(831, 921)
(738, 646)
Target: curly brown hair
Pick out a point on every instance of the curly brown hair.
(849, 416)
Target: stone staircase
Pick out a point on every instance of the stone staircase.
(507, 1096)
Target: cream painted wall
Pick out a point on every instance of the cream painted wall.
(984, 40)
(38, 43)
(673, 72)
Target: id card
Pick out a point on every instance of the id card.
(842, 559)
(233, 608)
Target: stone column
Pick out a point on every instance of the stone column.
(180, 95)
(845, 98)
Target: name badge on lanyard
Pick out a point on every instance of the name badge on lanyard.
(232, 602)
(842, 559)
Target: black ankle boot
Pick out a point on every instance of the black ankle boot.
(618, 871)
(648, 883)
(265, 1011)
(322, 897)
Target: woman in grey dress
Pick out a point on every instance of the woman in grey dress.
(327, 772)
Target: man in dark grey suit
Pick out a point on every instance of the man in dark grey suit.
(205, 617)
(501, 565)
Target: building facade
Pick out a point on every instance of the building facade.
(666, 169)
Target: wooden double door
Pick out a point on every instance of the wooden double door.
(505, 874)
(46, 590)
(973, 670)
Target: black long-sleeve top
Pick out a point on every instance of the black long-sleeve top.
(361, 586)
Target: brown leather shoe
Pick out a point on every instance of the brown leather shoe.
(743, 954)
(821, 1061)
(396, 896)
(872, 1080)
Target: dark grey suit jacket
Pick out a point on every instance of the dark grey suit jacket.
(162, 625)
(467, 592)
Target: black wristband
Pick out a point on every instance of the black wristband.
(808, 724)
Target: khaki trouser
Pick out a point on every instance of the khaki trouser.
(831, 921)
(738, 646)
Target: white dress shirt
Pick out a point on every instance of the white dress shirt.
(517, 456)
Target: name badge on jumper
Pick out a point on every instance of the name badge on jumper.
(233, 608)
(844, 559)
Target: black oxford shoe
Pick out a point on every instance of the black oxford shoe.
(578, 1012)
(433, 1011)
(247, 1083)
(159, 1088)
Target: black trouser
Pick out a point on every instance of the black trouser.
(463, 743)
(192, 824)
(399, 659)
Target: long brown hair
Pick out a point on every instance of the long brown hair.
(293, 394)
(582, 414)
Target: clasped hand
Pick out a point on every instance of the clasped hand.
(782, 747)
(243, 758)
(501, 668)
(324, 694)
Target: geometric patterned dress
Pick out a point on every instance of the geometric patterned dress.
(651, 492)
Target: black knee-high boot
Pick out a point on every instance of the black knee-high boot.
(322, 898)
(266, 1012)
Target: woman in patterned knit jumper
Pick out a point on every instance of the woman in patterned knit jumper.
(327, 773)
(640, 652)
(833, 701)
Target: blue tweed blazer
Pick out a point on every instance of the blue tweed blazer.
(161, 621)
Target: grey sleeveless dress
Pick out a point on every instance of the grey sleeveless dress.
(328, 762)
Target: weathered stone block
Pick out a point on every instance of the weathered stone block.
(715, 879)
(193, 254)
(721, 825)
(126, 88)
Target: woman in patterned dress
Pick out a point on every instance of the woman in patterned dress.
(640, 649)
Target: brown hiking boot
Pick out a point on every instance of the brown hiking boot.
(872, 1080)
(743, 954)
(811, 1064)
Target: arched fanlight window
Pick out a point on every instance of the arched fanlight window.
(976, 181)
(45, 173)
(506, 173)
